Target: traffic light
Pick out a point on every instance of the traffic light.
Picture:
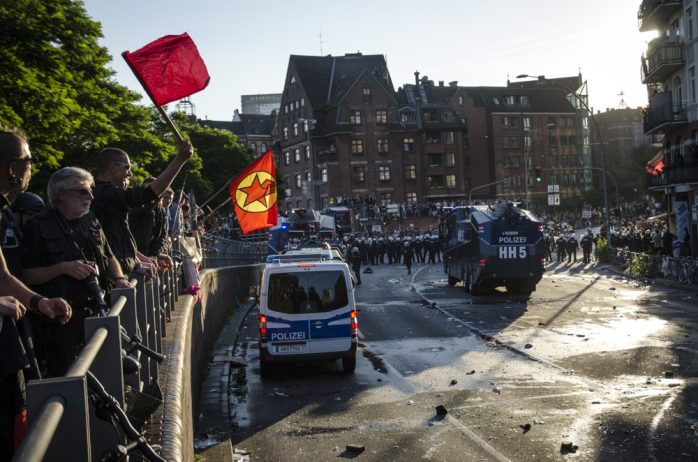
(539, 176)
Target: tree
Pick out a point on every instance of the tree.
(56, 86)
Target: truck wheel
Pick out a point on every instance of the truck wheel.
(349, 364)
(452, 281)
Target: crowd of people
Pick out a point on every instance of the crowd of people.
(61, 258)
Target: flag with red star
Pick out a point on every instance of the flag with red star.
(254, 195)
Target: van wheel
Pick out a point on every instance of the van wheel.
(349, 364)
(265, 369)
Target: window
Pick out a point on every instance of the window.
(505, 142)
(295, 129)
(528, 142)
(510, 99)
(359, 174)
(323, 174)
(450, 181)
(253, 146)
(285, 133)
(264, 147)
(307, 152)
(450, 159)
(551, 121)
(285, 108)
(355, 117)
(514, 122)
(366, 91)
(523, 99)
(357, 146)
(461, 100)
(382, 144)
(307, 175)
(689, 26)
(435, 181)
(448, 137)
(514, 142)
(296, 155)
(384, 172)
(526, 123)
(287, 158)
(505, 122)
(435, 160)
(386, 199)
(293, 79)
(381, 117)
(408, 144)
(411, 197)
(692, 84)
(298, 180)
(302, 102)
(410, 172)
(407, 117)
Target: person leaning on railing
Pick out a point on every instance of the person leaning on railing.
(66, 255)
(15, 299)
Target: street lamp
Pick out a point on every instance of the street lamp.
(598, 133)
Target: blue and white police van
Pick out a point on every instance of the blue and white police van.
(307, 313)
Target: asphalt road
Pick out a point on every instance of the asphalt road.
(602, 364)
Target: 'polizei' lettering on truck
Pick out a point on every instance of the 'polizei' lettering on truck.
(512, 239)
(276, 336)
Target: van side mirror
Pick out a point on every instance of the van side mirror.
(254, 292)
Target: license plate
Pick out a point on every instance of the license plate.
(290, 348)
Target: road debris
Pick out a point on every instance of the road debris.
(567, 447)
(454, 381)
(441, 410)
(525, 427)
(470, 373)
(356, 448)
(528, 345)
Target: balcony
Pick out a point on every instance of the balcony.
(662, 115)
(653, 14)
(681, 174)
(663, 58)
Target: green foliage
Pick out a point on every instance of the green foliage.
(643, 265)
(56, 86)
(601, 251)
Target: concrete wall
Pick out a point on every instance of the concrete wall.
(195, 328)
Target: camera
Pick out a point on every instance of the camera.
(96, 305)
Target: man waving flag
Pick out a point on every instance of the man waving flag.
(254, 195)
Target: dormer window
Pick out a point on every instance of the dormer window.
(293, 79)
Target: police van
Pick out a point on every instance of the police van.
(307, 312)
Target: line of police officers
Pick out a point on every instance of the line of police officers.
(68, 253)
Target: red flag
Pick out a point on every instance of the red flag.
(170, 68)
(254, 195)
(659, 168)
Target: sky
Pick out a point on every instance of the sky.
(246, 43)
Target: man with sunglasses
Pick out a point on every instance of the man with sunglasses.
(114, 199)
(15, 300)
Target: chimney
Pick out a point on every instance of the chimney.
(416, 78)
(441, 83)
(453, 83)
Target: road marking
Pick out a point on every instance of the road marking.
(476, 439)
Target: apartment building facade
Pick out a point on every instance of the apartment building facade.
(671, 117)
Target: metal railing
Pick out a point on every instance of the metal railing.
(219, 252)
(63, 425)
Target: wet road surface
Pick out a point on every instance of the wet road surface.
(591, 359)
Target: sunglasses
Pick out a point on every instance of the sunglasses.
(29, 159)
(83, 192)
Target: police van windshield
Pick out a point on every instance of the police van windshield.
(316, 292)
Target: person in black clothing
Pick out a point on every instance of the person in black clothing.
(113, 200)
(64, 252)
(355, 259)
(148, 224)
(15, 300)
(572, 246)
(561, 245)
(587, 243)
(408, 256)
